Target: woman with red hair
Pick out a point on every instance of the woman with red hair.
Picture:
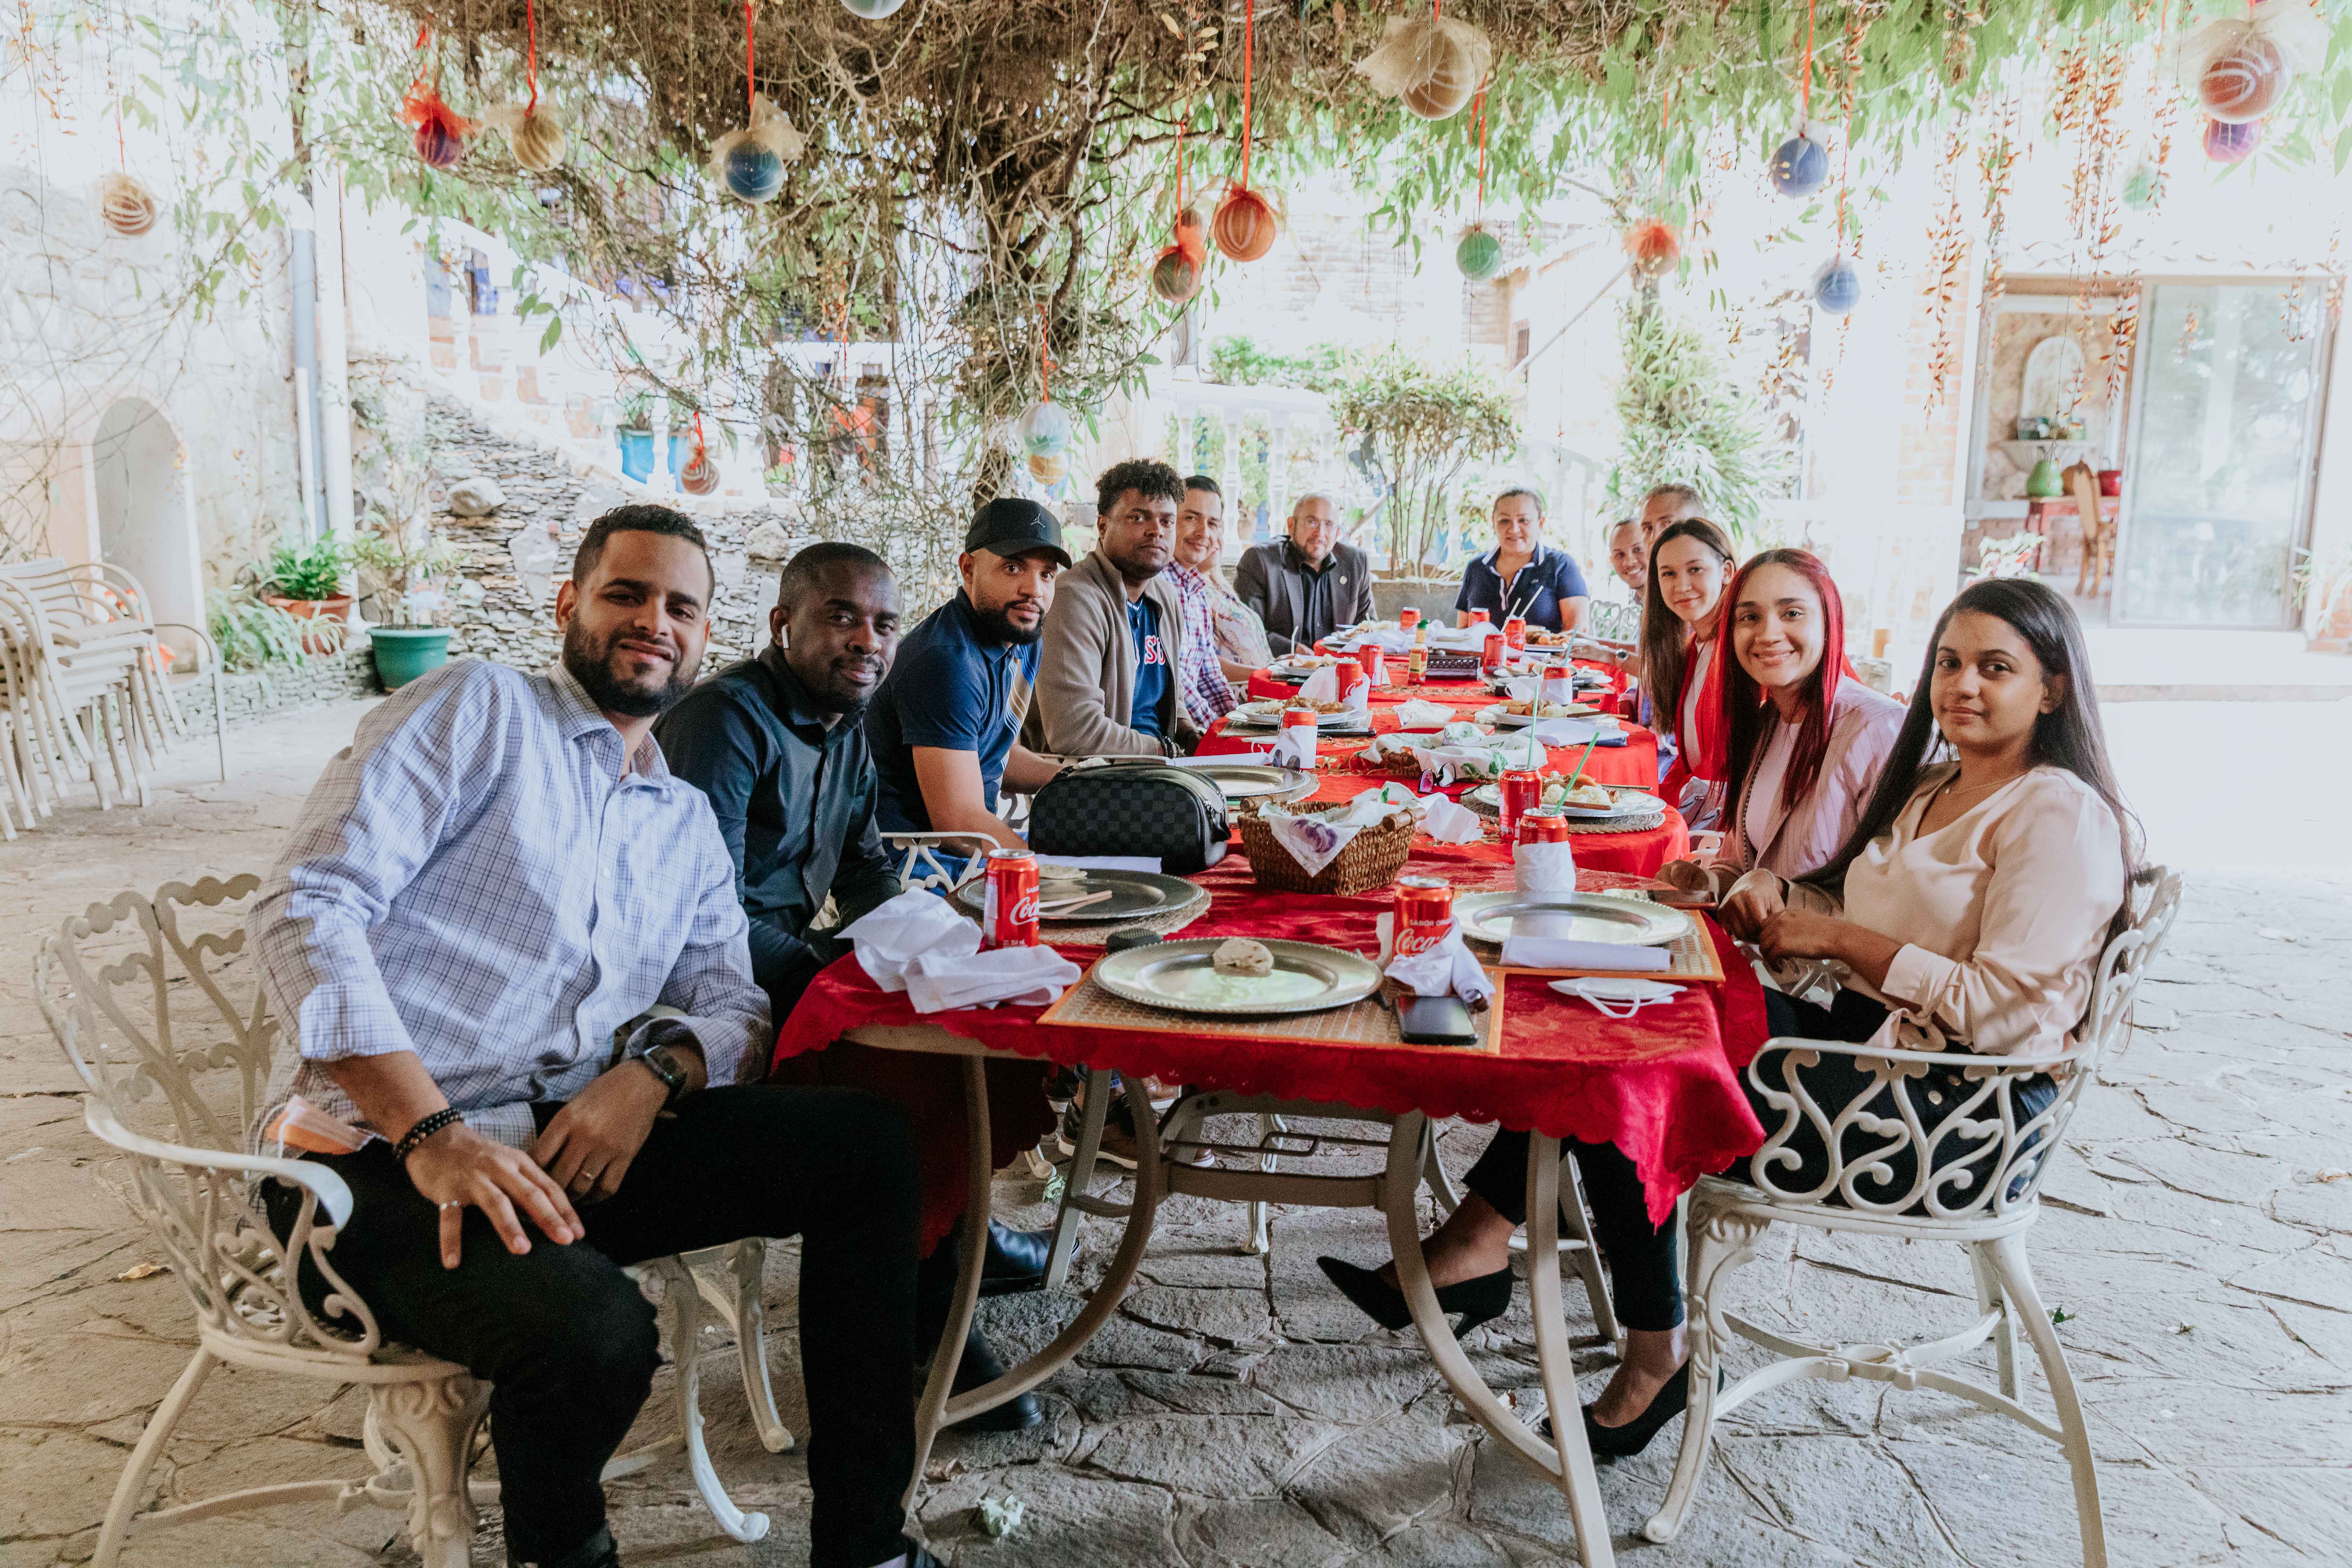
(1803, 738)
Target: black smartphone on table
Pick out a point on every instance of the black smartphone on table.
(1435, 1021)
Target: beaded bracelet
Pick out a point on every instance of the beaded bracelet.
(425, 1127)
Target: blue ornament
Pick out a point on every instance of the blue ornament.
(754, 171)
(1800, 167)
(1837, 287)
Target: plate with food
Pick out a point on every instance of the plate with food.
(1330, 718)
(1521, 711)
(1576, 917)
(1588, 802)
(1083, 895)
(1239, 976)
(1299, 668)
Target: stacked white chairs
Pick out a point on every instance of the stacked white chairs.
(1978, 1166)
(157, 1003)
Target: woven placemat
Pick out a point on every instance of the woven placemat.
(1641, 824)
(1366, 1023)
(1093, 933)
(1690, 956)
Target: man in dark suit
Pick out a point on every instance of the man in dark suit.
(1308, 585)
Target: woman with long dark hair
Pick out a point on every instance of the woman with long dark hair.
(1974, 896)
(1682, 667)
(1804, 740)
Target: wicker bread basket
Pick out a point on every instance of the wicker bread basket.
(1371, 859)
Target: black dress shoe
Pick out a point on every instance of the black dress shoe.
(979, 1365)
(597, 1551)
(1015, 1260)
(1486, 1297)
(1624, 1442)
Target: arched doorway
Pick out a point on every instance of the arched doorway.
(143, 525)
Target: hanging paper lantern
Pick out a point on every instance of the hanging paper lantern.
(1837, 287)
(1655, 247)
(441, 131)
(700, 475)
(126, 206)
(2145, 188)
(1479, 255)
(1245, 225)
(750, 162)
(1048, 468)
(1432, 65)
(2244, 82)
(2239, 66)
(1176, 275)
(1043, 431)
(873, 10)
(2227, 141)
(535, 135)
(1801, 164)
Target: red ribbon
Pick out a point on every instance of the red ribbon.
(1249, 48)
(750, 81)
(531, 61)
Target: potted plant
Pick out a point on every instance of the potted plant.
(634, 432)
(412, 562)
(310, 585)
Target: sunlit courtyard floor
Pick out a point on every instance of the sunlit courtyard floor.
(1239, 1412)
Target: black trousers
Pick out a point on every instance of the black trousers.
(1643, 1279)
(567, 1343)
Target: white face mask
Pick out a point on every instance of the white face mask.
(1618, 997)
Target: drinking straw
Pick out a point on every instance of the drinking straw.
(1582, 760)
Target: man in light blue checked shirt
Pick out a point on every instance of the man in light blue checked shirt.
(496, 878)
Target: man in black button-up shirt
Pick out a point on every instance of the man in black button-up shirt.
(792, 782)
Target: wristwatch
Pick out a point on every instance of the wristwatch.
(661, 1059)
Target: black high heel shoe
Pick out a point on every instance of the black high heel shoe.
(1478, 1300)
(1624, 1442)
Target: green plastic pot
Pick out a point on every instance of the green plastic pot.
(2043, 483)
(404, 653)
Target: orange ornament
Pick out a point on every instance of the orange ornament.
(1245, 225)
(1655, 247)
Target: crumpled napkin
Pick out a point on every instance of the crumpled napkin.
(1450, 966)
(897, 932)
(1316, 841)
(1027, 976)
(1323, 686)
(1420, 714)
(1449, 822)
(1556, 953)
(1543, 868)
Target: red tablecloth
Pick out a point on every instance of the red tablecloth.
(1660, 1085)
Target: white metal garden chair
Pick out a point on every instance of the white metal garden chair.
(1986, 1211)
(158, 1007)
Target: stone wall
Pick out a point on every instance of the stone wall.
(249, 694)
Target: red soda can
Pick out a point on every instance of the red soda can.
(1009, 904)
(1408, 618)
(1351, 676)
(1541, 825)
(1522, 792)
(1424, 913)
(1496, 644)
(1515, 632)
(1298, 724)
(1478, 618)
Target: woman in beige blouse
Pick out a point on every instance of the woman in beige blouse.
(1976, 894)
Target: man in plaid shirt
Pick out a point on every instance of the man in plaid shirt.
(481, 896)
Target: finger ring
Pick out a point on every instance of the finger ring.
(453, 1203)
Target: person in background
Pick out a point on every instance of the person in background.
(1973, 897)
(1242, 648)
(1205, 684)
(1107, 681)
(1804, 739)
(1666, 505)
(482, 897)
(1522, 576)
(1305, 587)
(1628, 557)
(1682, 665)
(945, 724)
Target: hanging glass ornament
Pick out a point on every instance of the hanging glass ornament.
(750, 162)
(441, 131)
(700, 475)
(2239, 66)
(1245, 224)
(1432, 65)
(534, 133)
(2145, 187)
(2231, 141)
(1043, 430)
(1479, 255)
(873, 10)
(1655, 247)
(1176, 275)
(126, 206)
(1837, 287)
(1801, 164)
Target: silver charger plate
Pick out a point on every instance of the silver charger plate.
(1243, 779)
(1179, 976)
(1325, 723)
(1631, 802)
(1590, 917)
(1132, 894)
(1498, 714)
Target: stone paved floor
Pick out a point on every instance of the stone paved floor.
(1239, 1413)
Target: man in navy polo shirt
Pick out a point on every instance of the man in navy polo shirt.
(945, 726)
(1521, 576)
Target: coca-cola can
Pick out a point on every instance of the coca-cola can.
(1478, 618)
(1497, 645)
(1298, 724)
(1369, 655)
(1351, 678)
(1522, 792)
(1009, 903)
(1558, 684)
(1514, 632)
(1424, 913)
(1541, 825)
(1408, 618)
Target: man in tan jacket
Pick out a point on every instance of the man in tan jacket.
(1107, 670)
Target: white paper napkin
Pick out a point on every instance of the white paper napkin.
(1577, 731)
(1448, 822)
(1323, 686)
(896, 932)
(1316, 841)
(1030, 976)
(1543, 868)
(1419, 714)
(1447, 967)
(1619, 997)
(1289, 751)
(1458, 636)
(1552, 952)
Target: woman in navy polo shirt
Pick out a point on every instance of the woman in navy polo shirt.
(1520, 576)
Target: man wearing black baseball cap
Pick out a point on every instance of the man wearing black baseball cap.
(944, 728)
